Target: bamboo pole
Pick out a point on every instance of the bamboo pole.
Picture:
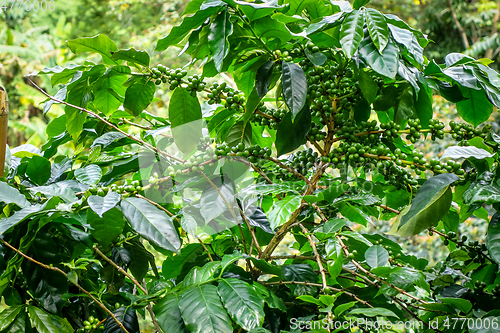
(4, 120)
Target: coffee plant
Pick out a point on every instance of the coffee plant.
(277, 201)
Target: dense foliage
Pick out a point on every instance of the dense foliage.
(313, 147)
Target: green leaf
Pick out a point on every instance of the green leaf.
(431, 191)
(457, 152)
(101, 205)
(106, 228)
(168, 314)
(203, 312)
(151, 223)
(254, 11)
(139, 258)
(263, 78)
(302, 273)
(172, 266)
(376, 256)
(239, 133)
(368, 86)
(294, 87)
(351, 32)
(268, 28)
(8, 222)
(343, 308)
(185, 118)
(138, 96)
(48, 323)
(199, 275)
(106, 91)
(242, 303)
(374, 312)
(354, 214)
(220, 29)
(291, 135)
(133, 56)
(38, 170)
(476, 109)
(9, 194)
(493, 238)
(125, 315)
(462, 304)
(386, 63)
(90, 175)
(359, 3)
(283, 209)
(325, 23)
(8, 315)
(335, 253)
(189, 23)
(423, 106)
(100, 44)
(377, 28)
(317, 59)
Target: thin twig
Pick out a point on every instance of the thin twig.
(316, 254)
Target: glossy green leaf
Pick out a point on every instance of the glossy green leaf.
(106, 228)
(125, 315)
(423, 106)
(172, 266)
(48, 323)
(294, 87)
(101, 205)
(386, 63)
(139, 259)
(263, 78)
(100, 44)
(360, 3)
(198, 275)
(38, 170)
(189, 23)
(168, 314)
(240, 133)
(217, 197)
(89, 175)
(254, 11)
(9, 194)
(462, 304)
(369, 88)
(185, 118)
(377, 28)
(138, 96)
(291, 135)
(242, 303)
(203, 312)
(429, 192)
(476, 108)
(8, 315)
(300, 272)
(335, 253)
(131, 55)
(151, 223)
(457, 152)
(376, 256)
(493, 238)
(106, 91)
(268, 28)
(283, 209)
(220, 29)
(351, 32)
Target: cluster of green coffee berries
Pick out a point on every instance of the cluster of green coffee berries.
(316, 134)
(217, 92)
(391, 130)
(252, 153)
(235, 101)
(90, 324)
(437, 129)
(132, 188)
(304, 160)
(463, 131)
(415, 127)
(269, 116)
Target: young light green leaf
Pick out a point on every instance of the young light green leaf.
(294, 87)
(48, 323)
(242, 303)
(351, 32)
(151, 223)
(100, 44)
(283, 209)
(374, 312)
